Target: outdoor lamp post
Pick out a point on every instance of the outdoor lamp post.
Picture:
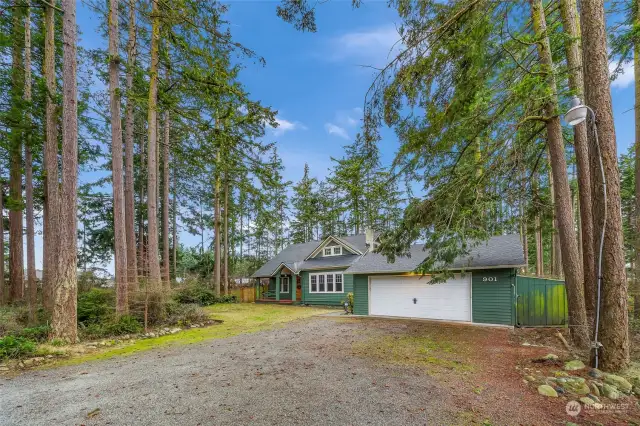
(576, 115)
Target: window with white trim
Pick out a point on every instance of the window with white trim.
(332, 251)
(326, 282)
(284, 285)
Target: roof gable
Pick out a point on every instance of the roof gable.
(333, 241)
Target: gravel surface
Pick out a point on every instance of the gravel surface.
(303, 373)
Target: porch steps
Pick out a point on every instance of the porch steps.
(277, 302)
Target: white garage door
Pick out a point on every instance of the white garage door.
(413, 297)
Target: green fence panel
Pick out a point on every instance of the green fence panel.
(540, 302)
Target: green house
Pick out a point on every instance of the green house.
(481, 290)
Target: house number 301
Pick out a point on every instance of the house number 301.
(489, 279)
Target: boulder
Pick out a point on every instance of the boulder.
(175, 330)
(552, 357)
(530, 378)
(574, 365)
(4, 368)
(587, 401)
(619, 382)
(594, 389)
(596, 374)
(610, 392)
(577, 386)
(547, 390)
(28, 362)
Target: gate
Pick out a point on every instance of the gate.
(540, 302)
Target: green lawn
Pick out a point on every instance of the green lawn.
(237, 319)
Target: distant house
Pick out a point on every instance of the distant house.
(323, 272)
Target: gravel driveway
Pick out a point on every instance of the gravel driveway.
(303, 373)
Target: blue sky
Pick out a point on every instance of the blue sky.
(317, 82)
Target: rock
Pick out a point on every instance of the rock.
(166, 329)
(27, 362)
(636, 390)
(38, 359)
(596, 374)
(530, 378)
(610, 392)
(619, 382)
(4, 368)
(559, 389)
(126, 337)
(91, 347)
(552, 357)
(574, 365)
(547, 390)
(594, 389)
(587, 401)
(49, 356)
(577, 386)
(595, 398)
(175, 330)
(21, 364)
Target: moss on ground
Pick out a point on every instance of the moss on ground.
(236, 319)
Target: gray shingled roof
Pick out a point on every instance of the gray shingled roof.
(504, 250)
(294, 254)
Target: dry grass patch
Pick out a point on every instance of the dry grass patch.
(415, 347)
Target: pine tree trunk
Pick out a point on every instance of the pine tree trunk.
(571, 24)
(3, 284)
(226, 236)
(614, 321)
(28, 173)
(165, 203)
(129, 202)
(50, 162)
(64, 321)
(562, 194)
(216, 219)
(120, 236)
(141, 230)
(174, 228)
(16, 261)
(636, 72)
(155, 284)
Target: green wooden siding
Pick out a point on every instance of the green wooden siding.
(360, 294)
(493, 296)
(326, 299)
(541, 302)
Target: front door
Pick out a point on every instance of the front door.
(298, 288)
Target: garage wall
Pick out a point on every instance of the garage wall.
(493, 296)
(360, 294)
(326, 299)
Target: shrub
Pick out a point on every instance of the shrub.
(125, 325)
(16, 347)
(95, 306)
(185, 314)
(196, 294)
(38, 334)
(202, 296)
(349, 302)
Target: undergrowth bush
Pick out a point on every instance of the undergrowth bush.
(37, 334)
(96, 306)
(127, 324)
(16, 347)
(185, 314)
(202, 296)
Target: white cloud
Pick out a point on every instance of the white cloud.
(625, 78)
(373, 47)
(334, 129)
(286, 126)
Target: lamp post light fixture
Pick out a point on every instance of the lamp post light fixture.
(576, 115)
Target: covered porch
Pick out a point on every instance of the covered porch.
(284, 287)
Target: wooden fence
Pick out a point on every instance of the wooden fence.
(244, 294)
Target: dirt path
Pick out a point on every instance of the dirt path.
(311, 371)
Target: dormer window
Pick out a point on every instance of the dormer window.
(333, 251)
